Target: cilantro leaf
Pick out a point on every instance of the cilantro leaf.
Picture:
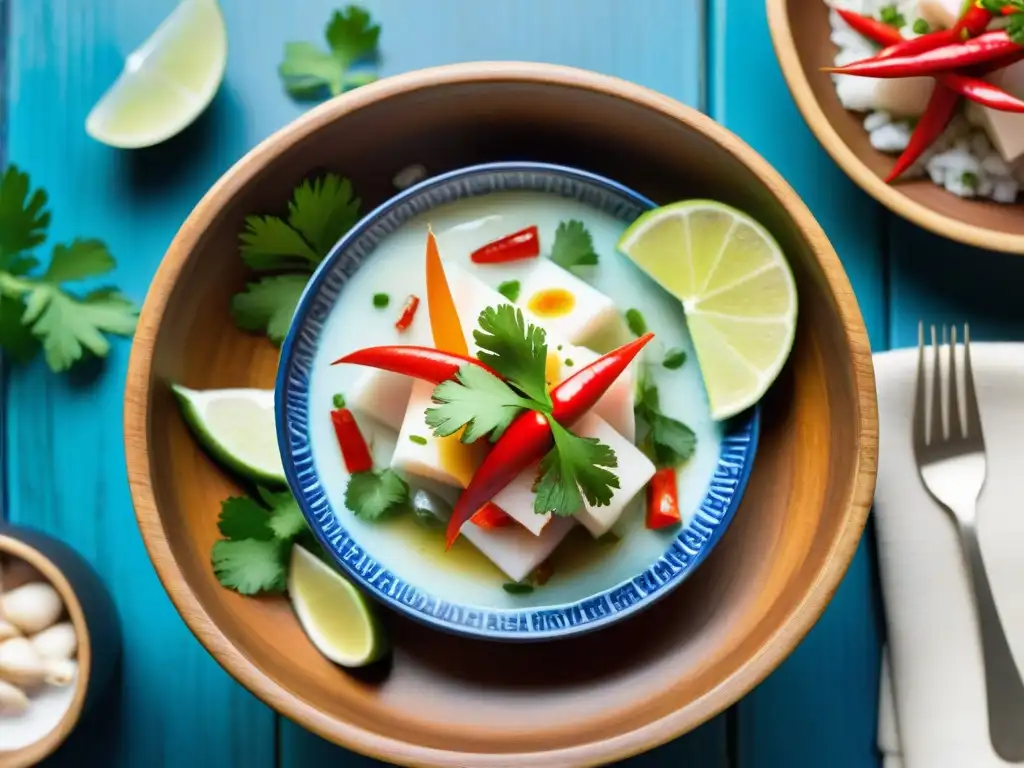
(322, 211)
(573, 247)
(352, 35)
(286, 520)
(674, 358)
(268, 244)
(250, 566)
(515, 349)
(242, 518)
(352, 38)
(371, 495)
(81, 259)
(268, 304)
(576, 468)
(23, 216)
(668, 442)
(477, 400)
(16, 338)
(1015, 28)
(68, 325)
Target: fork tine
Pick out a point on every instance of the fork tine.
(935, 431)
(919, 427)
(956, 429)
(973, 425)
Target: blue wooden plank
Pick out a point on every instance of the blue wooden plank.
(819, 707)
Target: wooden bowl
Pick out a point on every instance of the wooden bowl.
(451, 701)
(800, 33)
(90, 610)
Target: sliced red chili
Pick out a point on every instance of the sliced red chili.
(353, 447)
(408, 313)
(663, 499)
(491, 516)
(524, 244)
(424, 363)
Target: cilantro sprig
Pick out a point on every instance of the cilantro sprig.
(1015, 20)
(575, 468)
(372, 495)
(308, 70)
(252, 557)
(285, 251)
(667, 442)
(516, 349)
(573, 246)
(477, 400)
(37, 310)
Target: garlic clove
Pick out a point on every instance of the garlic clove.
(31, 607)
(60, 671)
(13, 700)
(56, 642)
(8, 630)
(20, 664)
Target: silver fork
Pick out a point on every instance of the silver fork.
(951, 463)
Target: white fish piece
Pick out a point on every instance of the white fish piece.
(1006, 129)
(590, 312)
(634, 471)
(382, 396)
(515, 550)
(940, 13)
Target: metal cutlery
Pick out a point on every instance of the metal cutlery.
(949, 448)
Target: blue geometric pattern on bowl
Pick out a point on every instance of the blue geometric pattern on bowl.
(685, 551)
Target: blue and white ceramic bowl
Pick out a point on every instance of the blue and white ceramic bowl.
(403, 565)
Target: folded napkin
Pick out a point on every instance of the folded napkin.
(937, 692)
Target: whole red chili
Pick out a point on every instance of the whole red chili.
(424, 363)
(663, 499)
(916, 45)
(353, 447)
(529, 437)
(524, 244)
(408, 313)
(932, 123)
(972, 22)
(491, 516)
(982, 92)
(873, 29)
(978, 50)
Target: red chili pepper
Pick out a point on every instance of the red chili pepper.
(524, 244)
(983, 92)
(917, 45)
(528, 438)
(424, 363)
(973, 22)
(353, 446)
(873, 29)
(408, 313)
(978, 50)
(663, 499)
(933, 122)
(491, 516)
(1009, 10)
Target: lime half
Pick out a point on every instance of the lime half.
(336, 617)
(737, 291)
(167, 81)
(237, 427)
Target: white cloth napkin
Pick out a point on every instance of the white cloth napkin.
(937, 691)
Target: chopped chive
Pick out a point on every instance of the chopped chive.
(510, 289)
(890, 15)
(381, 300)
(609, 537)
(515, 588)
(921, 27)
(568, 362)
(418, 439)
(559, 348)
(969, 179)
(636, 323)
(339, 400)
(674, 358)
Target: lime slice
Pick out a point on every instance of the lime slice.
(237, 427)
(166, 82)
(336, 617)
(736, 288)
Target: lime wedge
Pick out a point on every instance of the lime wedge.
(737, 291)
(166, 82)
(336, 617)
(236, 426)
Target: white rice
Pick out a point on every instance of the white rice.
(962, 159)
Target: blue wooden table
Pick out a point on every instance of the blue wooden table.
(62, 434)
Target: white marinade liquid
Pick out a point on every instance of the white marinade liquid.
(397, 268)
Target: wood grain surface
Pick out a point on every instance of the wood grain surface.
(174, 705)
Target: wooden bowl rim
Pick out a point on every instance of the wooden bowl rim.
(799, 618)
(889, 196)
(39, 750)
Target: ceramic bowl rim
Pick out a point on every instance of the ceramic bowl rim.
(891, 197)
(796, 617)
(291, 397)
(44, 747)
